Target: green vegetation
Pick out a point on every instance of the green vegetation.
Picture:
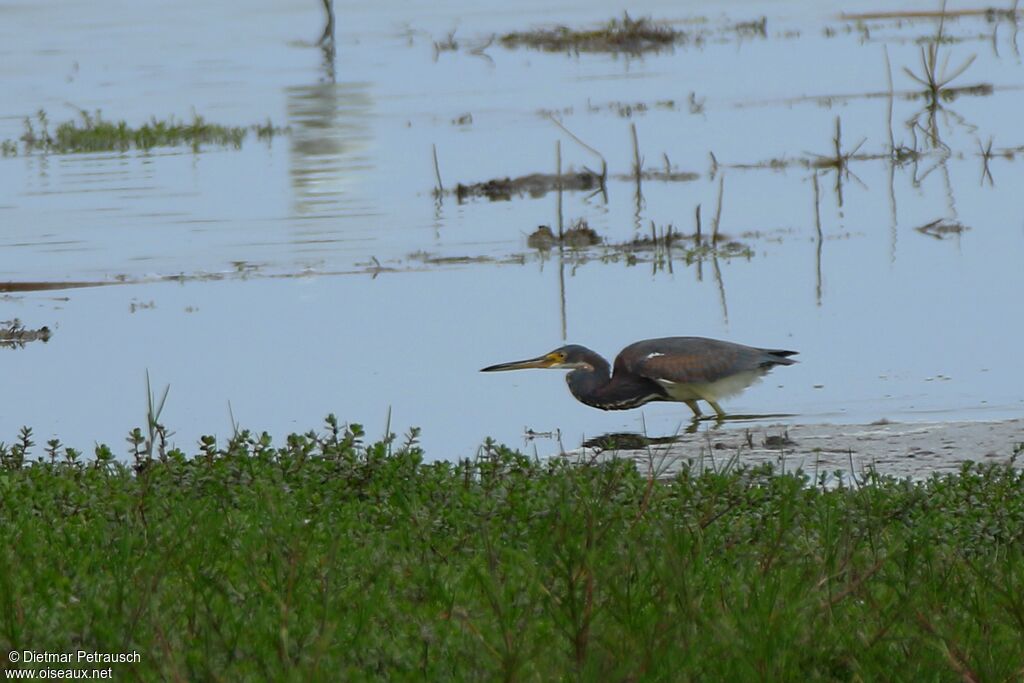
(326, 559)
(618, 35)
(91, 133)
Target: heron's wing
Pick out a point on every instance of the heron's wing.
(690, 360)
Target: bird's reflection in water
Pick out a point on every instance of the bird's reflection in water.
(628, 441)
(635, 441)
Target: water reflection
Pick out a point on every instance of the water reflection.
(628, 441)
(449, 266)
(14, 334)
(638, 441)
(330, 127)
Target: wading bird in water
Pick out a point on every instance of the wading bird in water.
(685, 369)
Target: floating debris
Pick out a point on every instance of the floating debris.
(655, 241)
(942, 228)
(661, 245)
(579, 236)
(757, 28)
(542, 238)
(434, 260)
(46, 286)
(978, 90)
(15, 335)
(668, 176)
(629, 35)
(778, 440)
(627, 109)
(535, 185)
(989, 13)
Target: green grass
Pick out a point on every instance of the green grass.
(92, 133)
(322, 558)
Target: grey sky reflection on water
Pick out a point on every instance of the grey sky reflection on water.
(330, 142)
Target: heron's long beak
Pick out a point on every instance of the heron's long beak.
(545, 361)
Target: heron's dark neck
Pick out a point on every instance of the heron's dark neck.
(586, 384)
(598, 388)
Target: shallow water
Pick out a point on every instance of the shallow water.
(310, 274)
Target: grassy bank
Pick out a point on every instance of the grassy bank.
(324, 559)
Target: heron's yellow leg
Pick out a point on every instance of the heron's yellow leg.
(718, 409)
(694, 407)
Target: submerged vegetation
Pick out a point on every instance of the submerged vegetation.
(92, 133)
(661, 244)
(324, 557)
(634, 36)
(579, 235)
(534, 185)
(622, 36)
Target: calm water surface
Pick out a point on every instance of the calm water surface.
(320, 273)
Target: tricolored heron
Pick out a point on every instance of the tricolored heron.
(686, 369)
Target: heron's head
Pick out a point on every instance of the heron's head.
(571, 357)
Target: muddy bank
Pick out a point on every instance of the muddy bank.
(915, 450)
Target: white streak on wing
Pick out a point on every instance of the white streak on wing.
(632, 402)
(713, 391)
(653, 354)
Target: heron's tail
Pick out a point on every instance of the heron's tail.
(778, 357)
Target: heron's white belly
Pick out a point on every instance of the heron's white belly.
(713, 391)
